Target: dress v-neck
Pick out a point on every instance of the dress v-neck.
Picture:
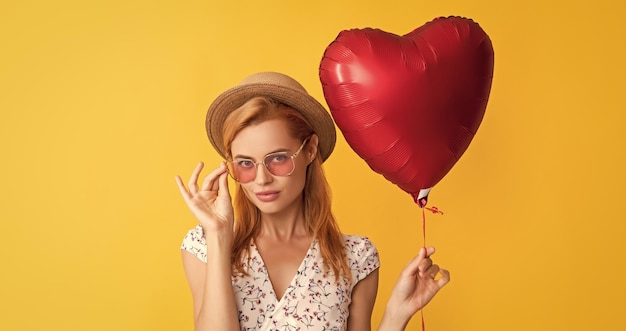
(300, 270)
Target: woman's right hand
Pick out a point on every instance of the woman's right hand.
(211, 203)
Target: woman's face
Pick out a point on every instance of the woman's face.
(271, 194)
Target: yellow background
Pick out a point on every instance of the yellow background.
(103, 102)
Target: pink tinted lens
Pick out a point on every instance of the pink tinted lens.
(279, 164)
(241, 174)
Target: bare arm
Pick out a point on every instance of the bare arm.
(363, 299)
(211, 290)
(210, 283)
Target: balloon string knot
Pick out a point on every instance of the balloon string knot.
(434, 210)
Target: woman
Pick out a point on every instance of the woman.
(273, 257)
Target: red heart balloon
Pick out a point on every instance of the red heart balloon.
(409, 105)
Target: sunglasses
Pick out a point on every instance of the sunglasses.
(279, 164)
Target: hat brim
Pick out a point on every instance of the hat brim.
(231, 99)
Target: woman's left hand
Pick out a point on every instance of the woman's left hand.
(417, 285)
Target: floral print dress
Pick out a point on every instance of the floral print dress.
(313, 300)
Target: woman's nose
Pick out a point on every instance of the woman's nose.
(263, 176)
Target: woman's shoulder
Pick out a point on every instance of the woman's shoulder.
(359, 246)
(353, 240)
(362, 255)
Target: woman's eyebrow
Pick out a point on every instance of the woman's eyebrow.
(241, 156)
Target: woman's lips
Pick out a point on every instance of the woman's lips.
(267, 196)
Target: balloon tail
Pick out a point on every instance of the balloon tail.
(421, 197)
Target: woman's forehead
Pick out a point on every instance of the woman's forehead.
(262, 138)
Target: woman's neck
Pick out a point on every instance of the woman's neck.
(284, 226)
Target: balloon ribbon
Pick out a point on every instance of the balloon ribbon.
(434, 210)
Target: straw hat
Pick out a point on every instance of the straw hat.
(281, 88)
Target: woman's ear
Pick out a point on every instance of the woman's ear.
(311, 148)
